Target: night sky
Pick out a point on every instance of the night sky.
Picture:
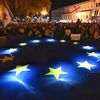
(61, 3)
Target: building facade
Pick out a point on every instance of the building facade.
(1, 10)
(85, 11)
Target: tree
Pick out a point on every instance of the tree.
(21, 8)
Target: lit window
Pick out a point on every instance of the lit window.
(96, 12)
(97, 4)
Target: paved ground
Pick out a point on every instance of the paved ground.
(50, 70)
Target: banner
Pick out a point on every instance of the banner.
(75, 36)
(6, 17)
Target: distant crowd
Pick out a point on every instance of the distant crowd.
(88, 31)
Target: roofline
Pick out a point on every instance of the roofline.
(71, 5)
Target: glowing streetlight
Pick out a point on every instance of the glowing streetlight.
(44, 12)
(1, 11)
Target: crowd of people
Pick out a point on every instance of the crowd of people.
(88, 31)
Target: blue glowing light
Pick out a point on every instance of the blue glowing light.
(10, 79)
(98, 60)
(88, 47)
(14, 79)
(9, 51)
(35, 41)
(50, 40)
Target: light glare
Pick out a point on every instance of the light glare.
(88, 47)
(9, 51)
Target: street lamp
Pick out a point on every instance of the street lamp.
(1, 12)
(44, 12)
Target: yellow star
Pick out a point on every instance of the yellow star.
(22, 44)
(19, 69)
(56, 72)
(6, 59)
(75, 43)
(62, 41)
(85, 65)
(92, 54)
